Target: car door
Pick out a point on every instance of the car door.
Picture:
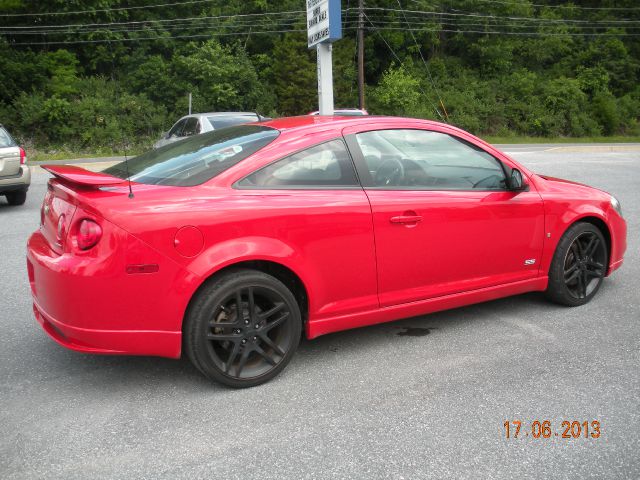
(444, 219)
(313, 201)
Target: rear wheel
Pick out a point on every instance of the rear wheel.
(16, 198)
(578, 266)
(243, 328)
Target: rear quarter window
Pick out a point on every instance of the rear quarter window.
(327, 165)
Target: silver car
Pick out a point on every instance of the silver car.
(15, 176)
(197, 123)
(345, 112)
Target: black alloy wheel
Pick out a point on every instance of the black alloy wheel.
(579, 265)
(243, 328)
(584, 265)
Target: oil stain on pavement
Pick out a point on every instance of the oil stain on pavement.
(414, 331)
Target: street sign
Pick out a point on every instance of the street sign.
(324, 21)
(324, 25)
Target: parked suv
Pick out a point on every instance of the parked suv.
(205, 122)
(15, 176)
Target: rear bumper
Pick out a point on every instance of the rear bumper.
(90, 304)
(109, 342)
(14, 183)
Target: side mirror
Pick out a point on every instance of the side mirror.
(517, 182)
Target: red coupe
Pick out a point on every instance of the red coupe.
(227, 245)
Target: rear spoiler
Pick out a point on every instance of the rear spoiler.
(80, 176)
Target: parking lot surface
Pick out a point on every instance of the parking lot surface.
(425, 397)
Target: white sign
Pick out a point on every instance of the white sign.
(324, 21)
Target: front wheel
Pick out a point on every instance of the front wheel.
(578, 266)
(242, 328)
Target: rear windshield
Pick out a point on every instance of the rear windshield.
(196, 159)
(5, 139)
(222, 121)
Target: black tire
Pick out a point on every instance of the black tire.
(579, 265)
(248, 349)
(16, 198)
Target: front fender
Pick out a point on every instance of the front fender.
(559, 217)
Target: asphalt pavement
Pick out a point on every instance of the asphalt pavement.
(425, 397)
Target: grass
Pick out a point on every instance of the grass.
(66, 153)
(517, 139)
(47, 156)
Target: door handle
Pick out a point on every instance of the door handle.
(404, 219)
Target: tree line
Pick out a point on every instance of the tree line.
(91, 74)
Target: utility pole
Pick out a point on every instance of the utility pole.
(361, 54)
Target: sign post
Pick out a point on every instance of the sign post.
(324, 26)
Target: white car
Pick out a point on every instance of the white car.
(15, 176)
(197, 123)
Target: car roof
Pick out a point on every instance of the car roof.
(220, 114)
(339, 122)
(216, 114)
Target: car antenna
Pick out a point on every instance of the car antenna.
(126, 166)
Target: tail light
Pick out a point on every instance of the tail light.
(88, 235)
(23, 156)
(60, 229)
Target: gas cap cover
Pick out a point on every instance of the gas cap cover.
(188, 241)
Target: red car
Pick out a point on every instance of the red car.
(227, 245)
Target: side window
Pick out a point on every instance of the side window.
(428, 160)
(190, 128)
(325, 165)
(177, 128)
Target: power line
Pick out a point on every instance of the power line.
(481, 15)
(393, 52)
(74, 42)
(534, 21)
(426, 66)
(376, 25)
(568, 7)
(530, 34)
(117, 9)
(500, 24)
(263, 14)
(415, 26)
(196, 24)
(139, 28)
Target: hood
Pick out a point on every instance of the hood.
(579, 190)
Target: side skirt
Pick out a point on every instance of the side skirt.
(315, 328)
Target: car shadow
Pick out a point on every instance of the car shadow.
(131, 373)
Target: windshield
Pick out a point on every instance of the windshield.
(196, 159)
(5, 139)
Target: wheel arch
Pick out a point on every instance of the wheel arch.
(278, 270)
